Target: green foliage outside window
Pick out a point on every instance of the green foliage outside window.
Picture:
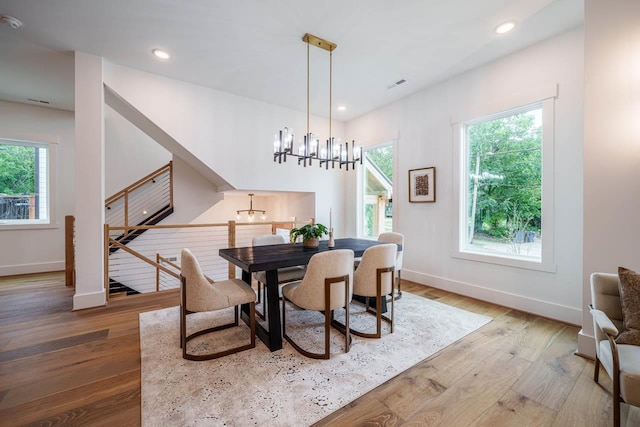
(17, 170)
(505, 172)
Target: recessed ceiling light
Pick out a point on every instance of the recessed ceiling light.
(161, 54)
(342, 108)
(505, 27)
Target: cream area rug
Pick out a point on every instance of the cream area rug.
(283, 388)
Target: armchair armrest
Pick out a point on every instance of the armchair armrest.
(603, 322)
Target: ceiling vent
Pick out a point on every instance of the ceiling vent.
(399, 82)
(10, 21)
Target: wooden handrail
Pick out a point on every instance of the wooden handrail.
(161, 226)
(140, 182)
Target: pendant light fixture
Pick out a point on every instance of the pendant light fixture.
(251, 213)
(332, 150)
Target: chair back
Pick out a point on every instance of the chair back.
(268, 239)
(323, 265)
(197, 287)
(605, 296)
(365, 277)
(398, 239)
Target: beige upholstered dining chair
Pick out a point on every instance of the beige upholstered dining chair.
(374, 278)
(620, 361)
(201, 294)
(327, 286)
(285, 275)
(398, 239)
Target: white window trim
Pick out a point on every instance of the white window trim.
(547, 262)
(51, 222)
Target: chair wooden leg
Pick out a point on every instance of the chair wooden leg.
(328, 321)
(378, 312)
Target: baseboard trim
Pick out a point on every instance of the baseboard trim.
(547, 309)
(586, 345)
(42, 267)
(90, 300)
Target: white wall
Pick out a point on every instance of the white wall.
(35, 250)
(611, 144)
(421, 124)
(129, 153)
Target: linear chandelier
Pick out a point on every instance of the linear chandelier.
(251, 213)
(333, 151)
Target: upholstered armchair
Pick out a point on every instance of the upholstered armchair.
(398, 239)
(326, 286)
(285, 275)
(201, 294)
(620, 361)
(374, 278)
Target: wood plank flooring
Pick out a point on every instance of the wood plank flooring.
(59, 367)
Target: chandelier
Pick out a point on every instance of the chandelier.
(332, 151)
(251, 213)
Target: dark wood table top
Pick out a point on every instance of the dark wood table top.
(272, 257)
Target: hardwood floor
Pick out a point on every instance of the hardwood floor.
(59, 367)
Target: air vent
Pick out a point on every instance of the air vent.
(39, 101)
(399, 82)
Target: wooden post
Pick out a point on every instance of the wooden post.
(157, 273)
(171, 183)
(69, 251)
(232, 244)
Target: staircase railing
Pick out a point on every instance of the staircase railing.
(143, 202)
(151, 264)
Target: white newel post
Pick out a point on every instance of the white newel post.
(89, 178)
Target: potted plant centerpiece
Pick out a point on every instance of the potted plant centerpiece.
(311, 234)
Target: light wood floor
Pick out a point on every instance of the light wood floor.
(59, 367)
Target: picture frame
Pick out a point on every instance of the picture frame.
(422, 185)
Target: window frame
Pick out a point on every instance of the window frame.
(51, 221)
(461, 183)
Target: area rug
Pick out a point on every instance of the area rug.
(284, 388)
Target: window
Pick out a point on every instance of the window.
(506, 187)
(25, 196)
(377, 191)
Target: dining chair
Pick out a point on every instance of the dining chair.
(374, 278)
(326, 287)
(198, 293)
(620, 361)
(398, 239)
(285, 275)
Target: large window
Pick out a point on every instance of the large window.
(504, 194)
(377, 191)
(24, 183)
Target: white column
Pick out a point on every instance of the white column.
(89, 178)
(611, 235)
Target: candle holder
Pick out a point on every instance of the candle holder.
(331, 243)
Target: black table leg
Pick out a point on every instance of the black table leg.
(272, 340)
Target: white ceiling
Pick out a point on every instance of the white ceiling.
(253, 48)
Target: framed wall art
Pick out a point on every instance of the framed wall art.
(422, 185)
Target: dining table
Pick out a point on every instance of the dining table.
(270, 258)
